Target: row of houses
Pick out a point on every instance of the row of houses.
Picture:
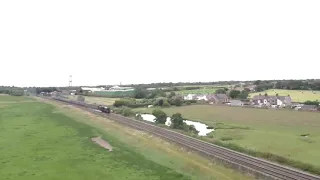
(256, 101)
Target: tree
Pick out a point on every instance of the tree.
(177, 101)
(234, 94)
(172, 94)
(220, 91)
(177, 121)
(140, 92)
(257, 82)
(161, 117)
(243, 95)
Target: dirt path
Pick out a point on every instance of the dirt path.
(102, 143)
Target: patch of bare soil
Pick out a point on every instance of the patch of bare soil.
(102, 143)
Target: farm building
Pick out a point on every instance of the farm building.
(218, 98)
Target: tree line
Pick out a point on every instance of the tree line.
(309, 84)
(11, 90)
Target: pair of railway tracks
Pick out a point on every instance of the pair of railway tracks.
(259, 167)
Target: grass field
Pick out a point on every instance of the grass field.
(51, 141)
(6, 98)
(275, 131)
(207, 90)
(97, 100)
(296, 95)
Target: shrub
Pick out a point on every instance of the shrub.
(127, 112)
(191, 128)
(123, 102)
(161, 117)
(80, 98)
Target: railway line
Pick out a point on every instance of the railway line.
(259, 167)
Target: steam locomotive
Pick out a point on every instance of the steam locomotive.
(104, 109)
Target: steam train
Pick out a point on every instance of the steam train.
(104, 109)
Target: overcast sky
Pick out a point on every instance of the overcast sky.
(108, 42)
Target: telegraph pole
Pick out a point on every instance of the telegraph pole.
(70, 80)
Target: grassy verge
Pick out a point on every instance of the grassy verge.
(275, 135)
(155, 149)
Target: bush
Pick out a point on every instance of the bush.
(80, 98)
(191, 128)
(161, 117)
(127, 112)
(122, 102)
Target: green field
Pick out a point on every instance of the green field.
(6, 98)
(52, 141)
(278, 132)
(97, 100)
(296, 95)
(113, 93)
(206, 90)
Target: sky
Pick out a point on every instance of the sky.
(103, 42)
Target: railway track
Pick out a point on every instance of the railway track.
(258, 167)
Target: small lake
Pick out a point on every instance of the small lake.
(202, 128)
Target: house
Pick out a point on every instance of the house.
(218, 98)
(201, 97)
(197, 97)
(236, 103)
(189, 97)
(280, 101)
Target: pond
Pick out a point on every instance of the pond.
(202, 128)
